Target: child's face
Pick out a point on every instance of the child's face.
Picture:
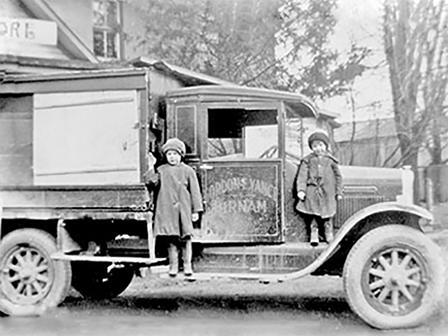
(318, 147)
(173, 157)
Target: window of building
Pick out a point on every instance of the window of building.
(107, 29)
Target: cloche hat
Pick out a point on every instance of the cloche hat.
(174, 144)
(319, 135)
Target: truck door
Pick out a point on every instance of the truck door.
(241, 173)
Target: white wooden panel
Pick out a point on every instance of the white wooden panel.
(86, 138)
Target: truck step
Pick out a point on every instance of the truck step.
(109, 259)
(257, 259)
(162, 272)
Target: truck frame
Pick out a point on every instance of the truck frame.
(75, 210)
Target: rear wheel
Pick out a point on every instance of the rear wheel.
(97, 280)
(30, 281)
(393, 277)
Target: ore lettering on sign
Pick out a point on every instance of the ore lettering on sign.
(17, 29)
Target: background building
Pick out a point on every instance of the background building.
(53, 35)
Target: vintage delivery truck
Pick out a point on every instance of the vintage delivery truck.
(75, 211)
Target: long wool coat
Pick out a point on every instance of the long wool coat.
(177, 197)
(321, 180)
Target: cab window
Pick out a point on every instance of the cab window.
(186, 128)
(237, 134)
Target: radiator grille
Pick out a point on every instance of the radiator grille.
(352, 204)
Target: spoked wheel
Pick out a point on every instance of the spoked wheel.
(95, 280)
(30, 281)
(394, 277)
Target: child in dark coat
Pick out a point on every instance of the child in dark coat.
(319, 186)
(178, 203)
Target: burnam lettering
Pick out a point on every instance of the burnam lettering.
(246, 206)
(244, 185)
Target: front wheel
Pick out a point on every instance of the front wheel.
(394, 277)
(30, 281)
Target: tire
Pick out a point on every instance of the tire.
(93, 280)
(394, 277)
(30, 281)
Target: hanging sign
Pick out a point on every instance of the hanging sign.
(28, 30)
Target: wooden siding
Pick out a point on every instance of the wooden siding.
(70, 13)
(16, 119)
(74, 197)
(369, 152)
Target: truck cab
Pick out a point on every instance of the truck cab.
(246, 145)
(242, 142)
(77, 212)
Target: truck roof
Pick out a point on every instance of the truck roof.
(120, 78)
(241, 93)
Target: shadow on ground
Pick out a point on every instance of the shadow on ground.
(236, 303)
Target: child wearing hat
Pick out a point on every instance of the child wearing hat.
(178, 202)
(319, 186)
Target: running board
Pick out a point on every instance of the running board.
(118, 260)
(162, 272)
(263, 278)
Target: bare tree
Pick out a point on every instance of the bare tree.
(436, 77)
(415, 43)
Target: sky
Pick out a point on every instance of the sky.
(360, 21)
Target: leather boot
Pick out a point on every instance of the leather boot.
(173, 256)
(329, 236)
(187, 255)
(314, 233)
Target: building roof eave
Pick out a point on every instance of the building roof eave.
(50, 63)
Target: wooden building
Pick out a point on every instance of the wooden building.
(45, 36)
(59, 35)
(370, 143)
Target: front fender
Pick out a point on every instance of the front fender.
(382, 207)
(350, 224)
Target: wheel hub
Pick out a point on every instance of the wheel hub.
(26, 276)
(395, 281)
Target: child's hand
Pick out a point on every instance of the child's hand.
(194, 216)
(301, 195)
